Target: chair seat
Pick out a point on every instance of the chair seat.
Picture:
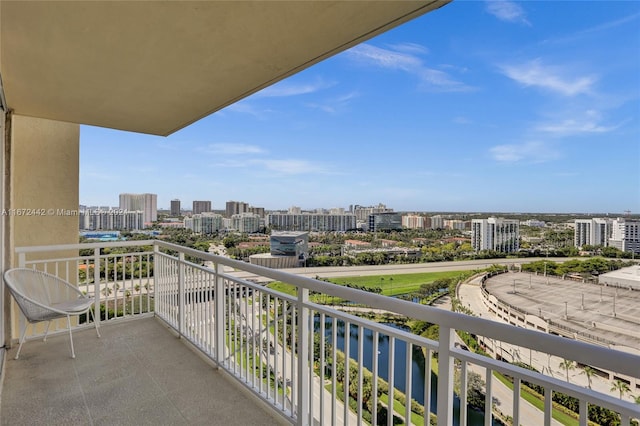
(72, 306)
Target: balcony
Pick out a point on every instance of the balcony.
(275, 347)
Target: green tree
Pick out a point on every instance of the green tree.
(567, 365)
(620, 387)
(589, 372)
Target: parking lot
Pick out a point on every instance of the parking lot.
(610, 313)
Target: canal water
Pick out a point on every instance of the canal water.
(417, 368)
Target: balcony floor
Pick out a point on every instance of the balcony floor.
(137, 373)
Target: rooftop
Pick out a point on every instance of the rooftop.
(590, 307)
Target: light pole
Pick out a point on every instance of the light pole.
(614, 305)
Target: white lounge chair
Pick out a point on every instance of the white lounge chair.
(44, 297)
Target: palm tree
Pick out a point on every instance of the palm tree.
(621, 387)
(636, 399)
(107, 290)
(589, 372)
(567, 365)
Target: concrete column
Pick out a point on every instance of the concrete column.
(43, 180)
(42, 188)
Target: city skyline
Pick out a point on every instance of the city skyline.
(479, 107)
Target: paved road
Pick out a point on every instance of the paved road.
(413, 268)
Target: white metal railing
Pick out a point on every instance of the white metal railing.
(120, 281)
(290, 350)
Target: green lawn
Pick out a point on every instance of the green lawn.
(391, 285)
(535, 400)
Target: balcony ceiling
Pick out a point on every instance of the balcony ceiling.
(156, 67)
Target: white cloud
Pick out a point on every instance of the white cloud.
(414, 48)
(461, 120)
(275, 166)
(231, 149)
(507, 11)
(286, 88)
(534, 152)
(246, 107)
(336, 104)
(554, 78)
(440, 80)
(404, 58)
(589, 122)
(290, 166)
(385, 58)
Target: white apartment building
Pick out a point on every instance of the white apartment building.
(498, 234)
(458, 224)
(147, 203)
(108, 219)
(437, 222)
(362, 213)
(204, 223)
(413, 221)
(625, 235)
(311, 222)
(246, 222)
(592, 232)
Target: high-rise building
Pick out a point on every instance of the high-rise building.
(201, 207)
(458, 224)
(175, 208)
(362, 213)
(204, 223)
(592, 232)
(437, 222)
(246, 222)
(498, 234)
(147, 203)
(625, 235)
(257, 210)
(387, 221)
(236, 207)
(109, 219)
(414, 221)
(311, 222)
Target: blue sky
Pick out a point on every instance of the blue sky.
(479, 106)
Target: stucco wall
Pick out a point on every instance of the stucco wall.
(43, 180)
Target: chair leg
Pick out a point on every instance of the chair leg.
(73, 354)
(46, 331)
(24, 331)
(95, 323)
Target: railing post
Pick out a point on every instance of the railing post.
(96, 285)
(157, 274)
(218, 314)
(22, 260)
(445, 377)
(181, 298)
(304, 335)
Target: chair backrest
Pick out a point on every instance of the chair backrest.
(39, 287)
